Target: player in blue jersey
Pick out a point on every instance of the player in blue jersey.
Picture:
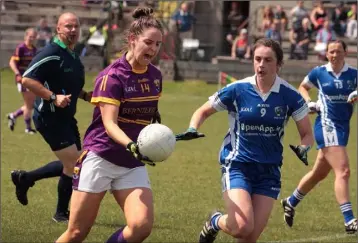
(337, 84)
(251, 154)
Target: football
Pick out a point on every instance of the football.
(157, 142)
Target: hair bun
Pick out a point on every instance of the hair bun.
(142, 12)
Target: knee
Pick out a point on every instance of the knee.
(343, 173)
(241, 229)
(141, 228)
(76, 235)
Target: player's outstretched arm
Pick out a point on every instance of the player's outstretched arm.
(198, 118)
(109, 114)
(305, 131)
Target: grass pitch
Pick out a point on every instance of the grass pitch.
(186, 187)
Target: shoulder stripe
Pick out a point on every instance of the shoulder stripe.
(42, 61)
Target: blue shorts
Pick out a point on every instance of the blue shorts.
(331, 133)
(58, 133)
(255, 178)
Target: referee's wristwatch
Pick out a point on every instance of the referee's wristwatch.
(52, 97)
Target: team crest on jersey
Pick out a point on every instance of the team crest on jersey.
(157, 84)
(76, 172)
(279, 110)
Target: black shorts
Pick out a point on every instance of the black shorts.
(58, 133)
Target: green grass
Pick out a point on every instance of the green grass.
(186, 187)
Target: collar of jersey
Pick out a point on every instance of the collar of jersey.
(330, 69)
(131, 68)
(275, 87)
(63, 45)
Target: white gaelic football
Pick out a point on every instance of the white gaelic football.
(157, 142)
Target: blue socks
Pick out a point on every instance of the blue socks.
(295, 198)
(215, 221)
(346, 209)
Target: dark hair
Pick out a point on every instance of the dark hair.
(274, 45)
(344, 45)
(143, 18)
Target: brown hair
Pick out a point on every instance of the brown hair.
(344, 45)
(274, 45)
(143, 19)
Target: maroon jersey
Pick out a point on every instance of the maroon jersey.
(137, 96)
(23, 56)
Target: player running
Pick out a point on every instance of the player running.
(337, 84)
(18, 64)
(126, 96)
(251, 155)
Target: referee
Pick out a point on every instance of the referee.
(56, 76)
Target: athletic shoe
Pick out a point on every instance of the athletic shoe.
(11, 121)
(289, 212)
(21, 184)
(30, 131)
(352, 227)
(60, 217)
(208, 234)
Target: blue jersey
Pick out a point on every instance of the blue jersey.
(334, 90)
(256, 120)
(332, 123)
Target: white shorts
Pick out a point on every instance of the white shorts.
(95, 174)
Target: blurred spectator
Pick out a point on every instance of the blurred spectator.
(274, 32)
(324, 35)
(44, 33)
(240, 46)
(352, 22)
(237, 21)
(339, 19)
(281, 17)
(298, 13)
(184, 21)
(318, 16)
(267, 18)
(2, 5)
(300, 40)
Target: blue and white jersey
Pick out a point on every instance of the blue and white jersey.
(256, 120)
(334, 90)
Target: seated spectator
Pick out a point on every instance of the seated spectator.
(339, 19)
(274, 32)
(352, 22)
(300, 40)
(236, 20)
(281, 17)
(240, 46)
(267, 18)
(44, 33)
(184, 21)
(298, 13)
(324, 35)
(318, 16)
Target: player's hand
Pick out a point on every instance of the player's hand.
(62, 100)
(157, 118)
(189, 134)
(132, 147)
(88, 96)
(18, 78)
(353, 97)
(301, 152)
(313, 107)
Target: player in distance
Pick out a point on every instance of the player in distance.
(337, 84)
